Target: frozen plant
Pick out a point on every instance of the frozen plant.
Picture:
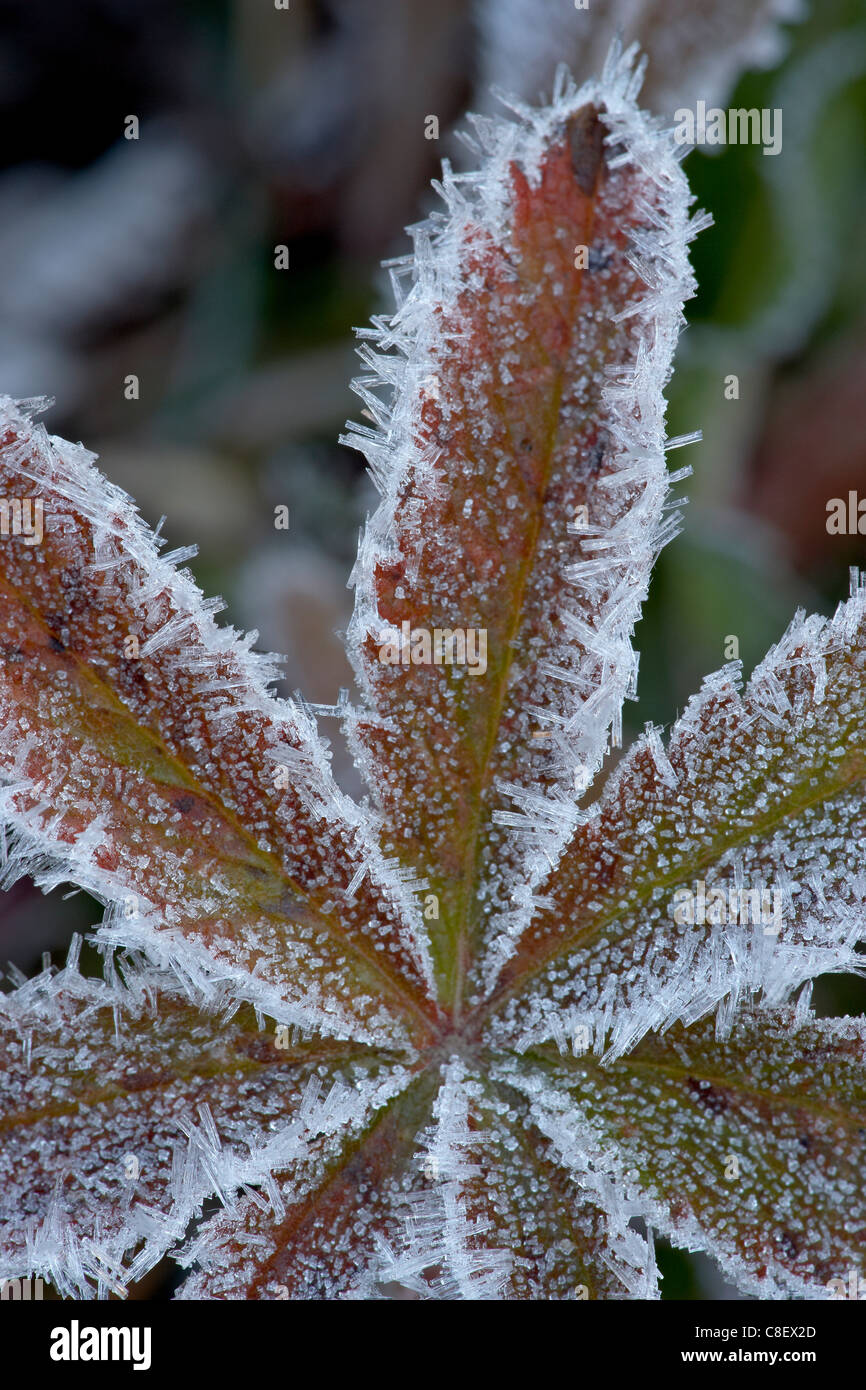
(454, 1040)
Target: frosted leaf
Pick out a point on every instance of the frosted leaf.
(451, 1194)
(643, 921)
(123, 1107)
(749, 1148)
(145, 758)
(522, 497)
(499, 1215)
(324, 1222)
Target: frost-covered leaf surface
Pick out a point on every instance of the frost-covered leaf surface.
(522, 468)
(750, 1147)
(452, 1192)
(757, 793)
(142, 750)
(293, 1080)
(124, 1108)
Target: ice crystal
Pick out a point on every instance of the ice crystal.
(481, 1038)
